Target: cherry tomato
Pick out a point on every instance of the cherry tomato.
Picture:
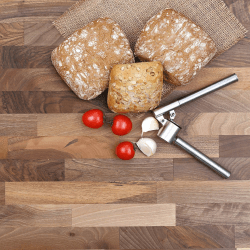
(125, 150)
(93, 118)
(122, 125)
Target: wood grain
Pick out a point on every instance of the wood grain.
(35, 216)
(176, 237)
(192, 170)
(44, 79)
(116, 215)
(234, 146)
(41, 34)
(213, 213)
(43, 170)
(203, 191)
(2, 193)
(242, 236)
(62, 147)
(26, 57)
(79, 192)
(52, 238)
(4, 147)
(115, 170)
(20, 102)
(18, 125)
(11, 34)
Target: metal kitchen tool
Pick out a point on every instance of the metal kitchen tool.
(170, 129)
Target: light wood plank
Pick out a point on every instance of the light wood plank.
(58, 238)
(11, 34)
(117, 170)
(242, 236)
(35, 216)
(193, 170)
(213, 213)
(203, 191)
(3, 147)
(18, 125)
(79, 192)
(116, 215)
(177, 237)
(38, 170)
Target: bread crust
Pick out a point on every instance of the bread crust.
(85, 58)
(179, 44)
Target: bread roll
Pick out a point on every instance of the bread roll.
(84, 59)
(135, 87)
(179, 44)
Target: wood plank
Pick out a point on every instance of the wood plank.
(115, 215)
(52, 238)
(117, 170)
(176, 237)
(79, 192)
(41, 34)
(11, 34)
(102, 147)
(4, 147)
(1, 57)
(2, 193)
(203, 191)
(43, 170)
(18, 125)
(62, 147)
(27, 56)
(193, 170)
(234, 146)
(194, 124)
(213, 213)
(242, 236)
(35, 216)
(20, 102)
(31, 80)
(222, 101)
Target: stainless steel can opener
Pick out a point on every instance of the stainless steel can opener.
(169, 130)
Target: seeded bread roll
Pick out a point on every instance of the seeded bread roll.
(84, 59)
(180, 45)
(135, 87)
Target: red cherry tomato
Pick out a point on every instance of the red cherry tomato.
(122, 125)
(125, 150)
(93, 118)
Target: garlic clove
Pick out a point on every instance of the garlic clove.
(149, 124)
(147, 146)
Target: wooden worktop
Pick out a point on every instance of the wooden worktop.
(61, 185)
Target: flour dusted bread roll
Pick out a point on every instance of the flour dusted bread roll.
(135, 87)
(180, 45)
(85, 58)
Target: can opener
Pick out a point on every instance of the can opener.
(169, 130)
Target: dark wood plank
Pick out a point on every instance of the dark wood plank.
(35, 216)
(10, 10)
(41, 34)
(234, 146)
(20, 102)
(27, 57)
(192, 170)
(115, 170)
(4, 147)
(18, 125)
(43, 170)
(51, 238)
(31, 80)
(242, 236)
(11, 34)
(2, 193)
(1, 57)
(203, 191)
(214, 214)
(79, 192)
(176, 237)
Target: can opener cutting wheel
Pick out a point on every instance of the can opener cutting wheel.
(169, 130)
